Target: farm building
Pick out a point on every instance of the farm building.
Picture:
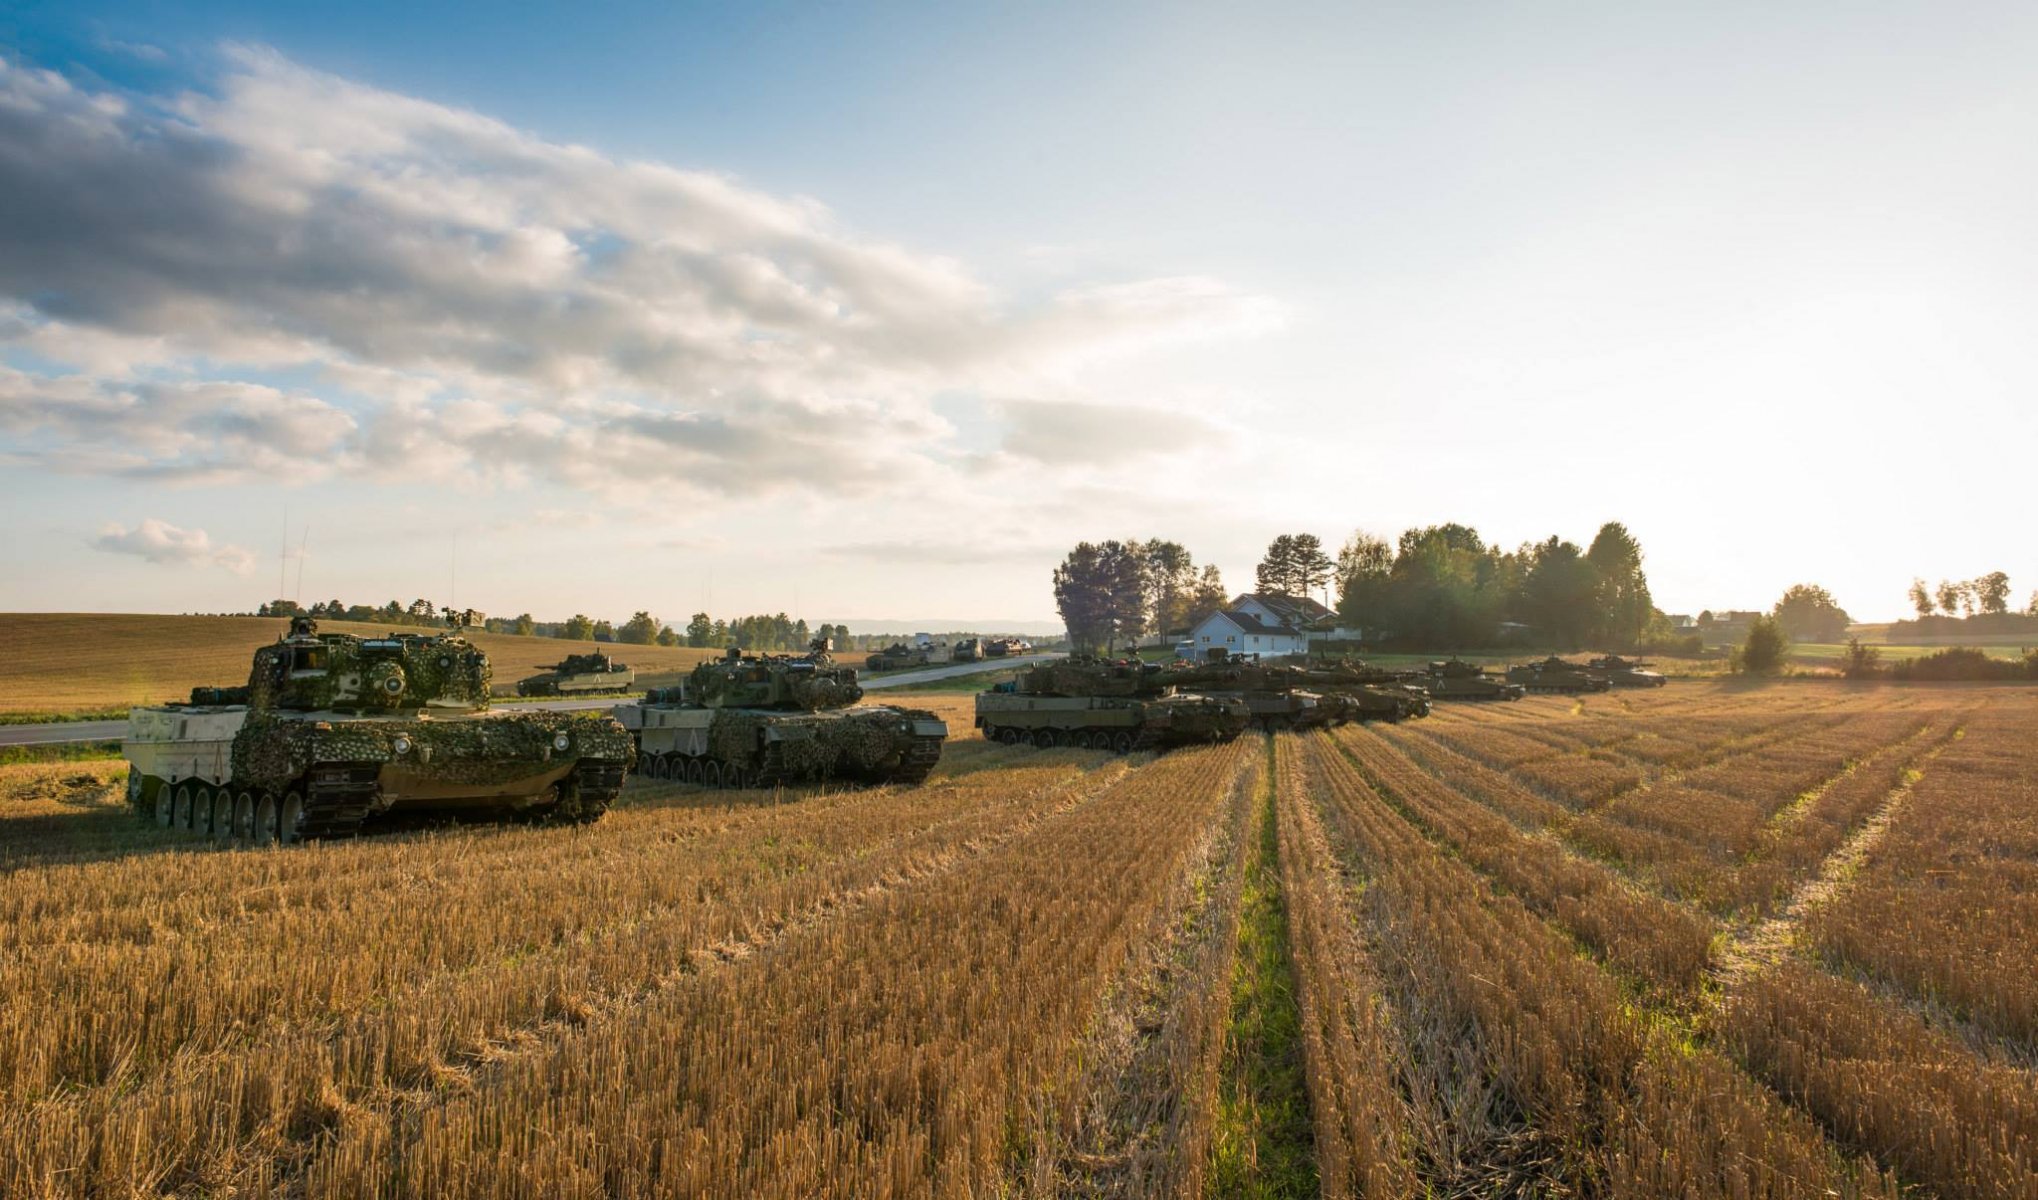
(1266, 625)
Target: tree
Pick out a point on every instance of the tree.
(1766, 649)
(1808, 613)
(1365, 565)
(578, 629)
(1948, 595)
(1991, 592)
(422, 611)
(1099, 589)
(1208, 597)
(1921, 598)
(1623, 601)
(524, 626)
(1558, 592)
(1169, 580)
(1860, 662)
(1276, 574)
(700, 631)
(2031, 609)
(640, 630)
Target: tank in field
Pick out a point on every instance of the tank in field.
(898, 656)
(1554, 674)
(758, 721)
(1454, 679)
(334, 731)
(579, 675)
(1627, 672)
(1374, 693)
(1122, 705)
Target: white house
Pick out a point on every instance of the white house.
(1269, 626)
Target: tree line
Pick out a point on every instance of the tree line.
(1113, 593)
(1985, 595)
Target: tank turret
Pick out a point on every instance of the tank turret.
(1554, 674)
(1627, 672)
(1454, 679)
(332, 731)
(761, 720)
(1105, 704)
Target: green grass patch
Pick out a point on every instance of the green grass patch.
(1264, 1143)
(63, 718)
(59, 752)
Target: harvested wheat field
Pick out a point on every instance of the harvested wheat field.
(1705, 941)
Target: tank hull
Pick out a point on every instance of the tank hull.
(585, 683)
(290, 776)
(1120, 723)
(1445, 688)
(746, 747)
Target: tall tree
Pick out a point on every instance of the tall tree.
(579, 628)
(1364, 566)
(1313, 568)
(640, 630)
(1992, 592)
(1766, 648)
(1921, 598)
(524, 626)
(700, 631)
(1208, 597)
(1276, 574)
(1559, 590)
(1809, 613)
(1170, 579)
(1948, 596)
(1100, 590)
(1623, 601)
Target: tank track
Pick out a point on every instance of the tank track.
(337, 800)
(918, 761)
(596, 784)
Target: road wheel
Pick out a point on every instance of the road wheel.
(1043, 738)
(1080, 739)
(289, 818)
(180, 807)
(693, 770)
(136, 787)
(223, 815)
(244, 816)
(732, 777)
(1011, 737)
(201, 810)
(265, 829)
(711, 775)
(1122, 743)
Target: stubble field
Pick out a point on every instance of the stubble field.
(1700, 941)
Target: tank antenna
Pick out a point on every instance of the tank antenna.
(299, 597)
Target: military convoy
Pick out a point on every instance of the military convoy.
(898, 656)
(760, 720)
(334, 731)
(579, 675)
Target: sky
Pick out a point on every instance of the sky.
(871, 312)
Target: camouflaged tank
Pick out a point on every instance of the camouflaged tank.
(333, 730)
(1627, 672)
(898, 656)
(1553, 674)
(579, 675)
(1457, 680)
(757, 721)
(1275, 697)
(1376, 694)
(1105, 705)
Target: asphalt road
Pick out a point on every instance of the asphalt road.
(101, 731)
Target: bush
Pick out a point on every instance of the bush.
(1860, 662)
(1766, 647)
(1966, 663)
(1670, 645)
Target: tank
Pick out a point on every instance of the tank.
(333, 732)
(899, 656)
(1375, 694)
(1627, 672)
(967, 650)
(761, 720)
(1454, 679)
(1122, 705)
(1554, 674)
(579, 675)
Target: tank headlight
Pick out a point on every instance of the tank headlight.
(401, 744)
(560, 741)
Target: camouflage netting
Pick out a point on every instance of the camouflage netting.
(816, 746)
(309, 672)
(272, 750)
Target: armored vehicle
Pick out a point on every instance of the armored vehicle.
(967, 650)
(333, 730)
(1627, 672)
(756, 721)
(1457, 680)
(1375, 694)
(1553, 674)
(897, 656)
(1121, 706)
(579, 675)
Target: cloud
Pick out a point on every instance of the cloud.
(962, 552)
(166, 545)
(476, 304)
(1087, 433)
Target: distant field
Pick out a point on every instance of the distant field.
(65, 662)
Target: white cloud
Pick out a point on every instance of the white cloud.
(165, 544)
(478, 304)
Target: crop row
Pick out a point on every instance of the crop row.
(209, 1006)
(1527, 1069)
(1947, 905)
(917, 1039)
